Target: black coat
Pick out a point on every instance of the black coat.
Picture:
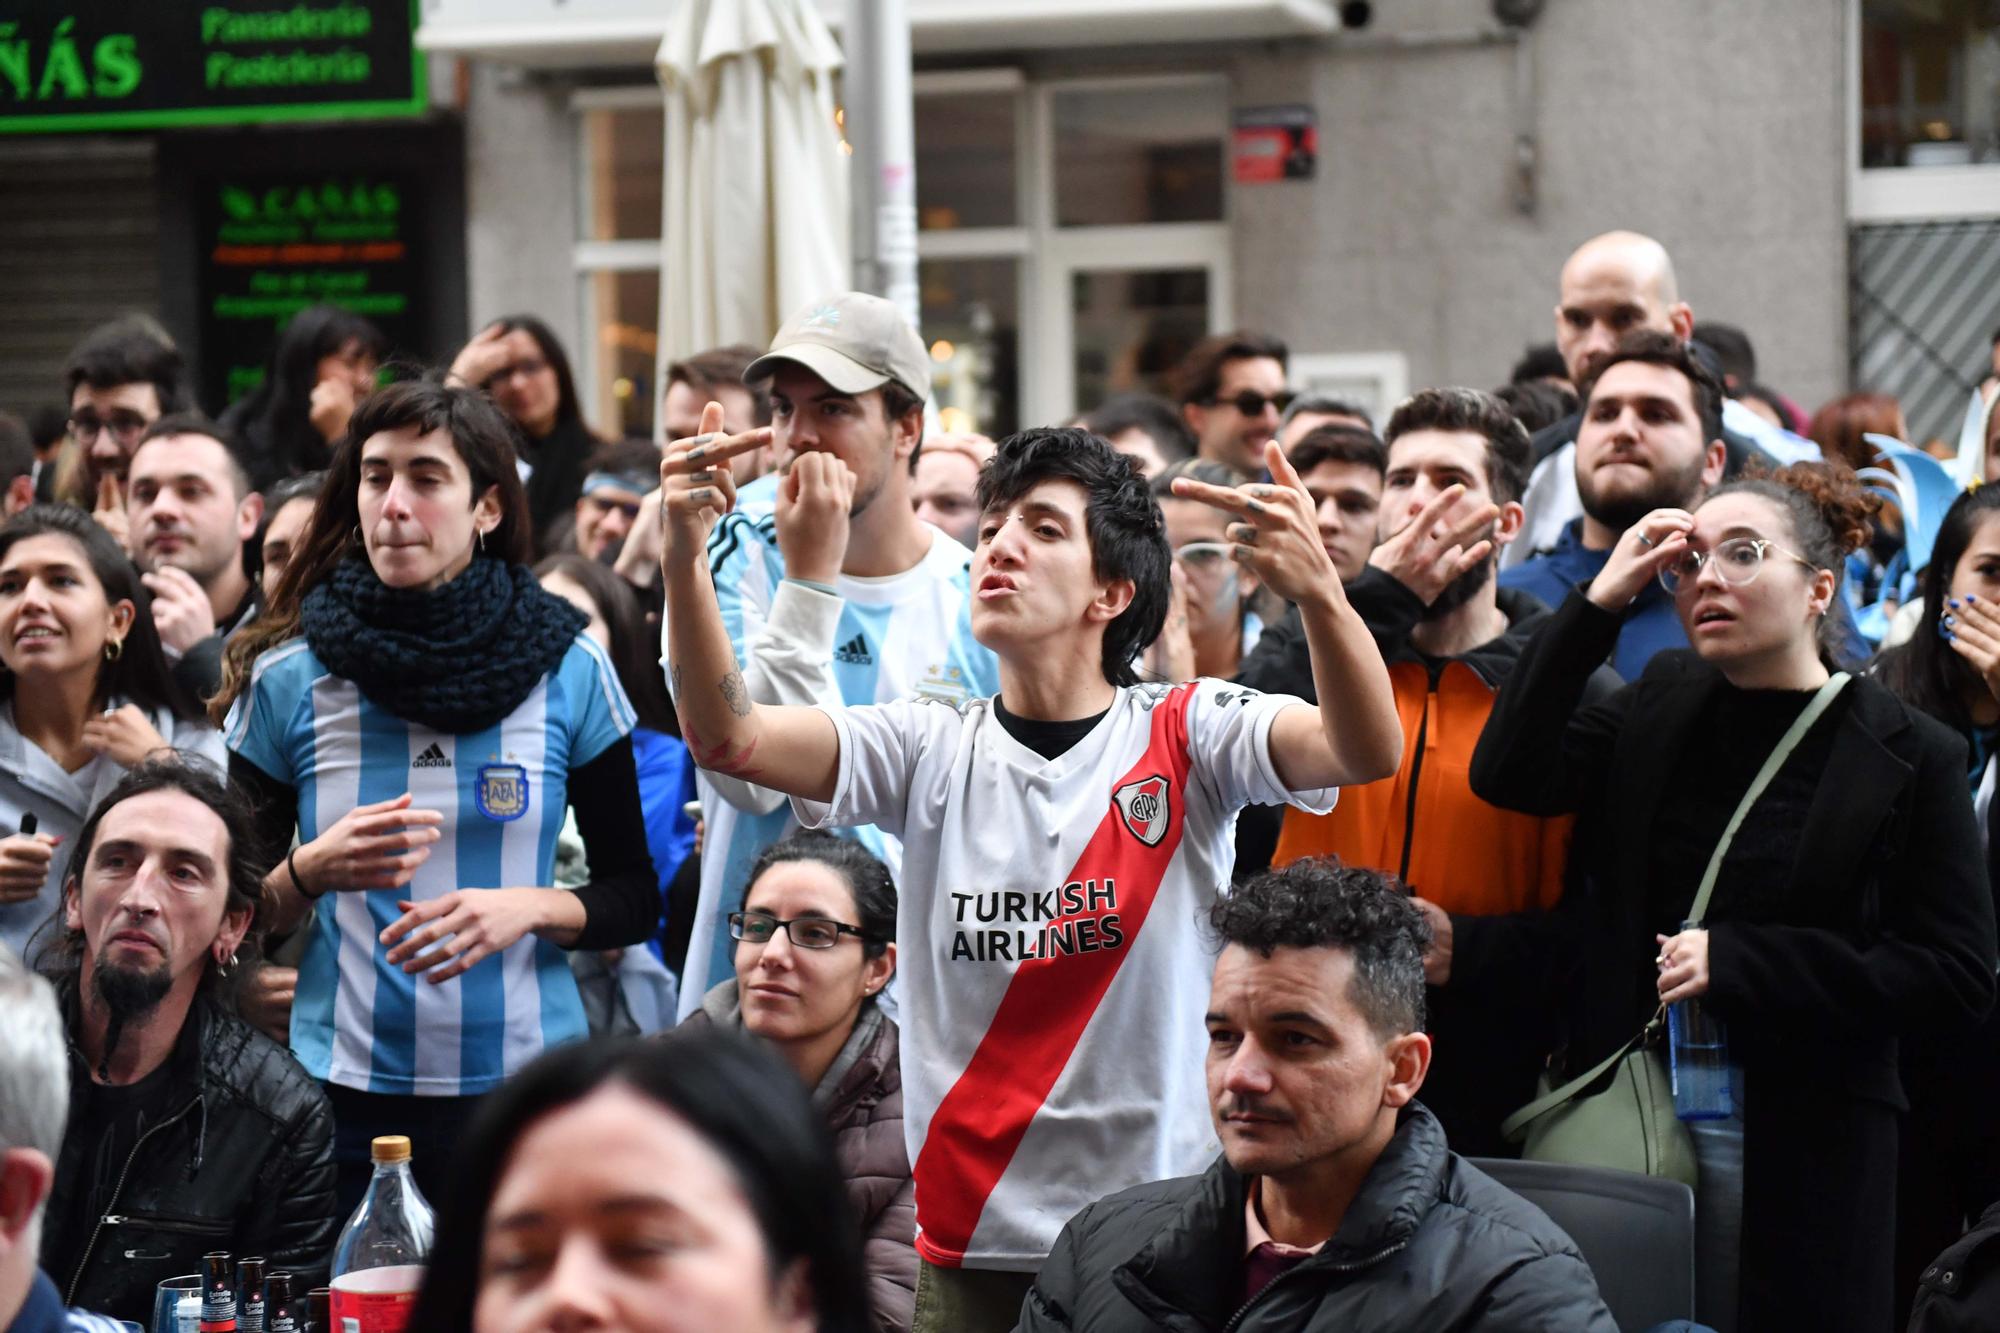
(1429, 1245)
(1889, 930)
(243, 1162)
(1960, 1292)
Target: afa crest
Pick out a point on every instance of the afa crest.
(1145, 807)
(501, 791)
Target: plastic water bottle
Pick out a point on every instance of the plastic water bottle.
(1698, 1059)
(378, 1262)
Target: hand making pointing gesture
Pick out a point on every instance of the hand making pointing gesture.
(1277, 532)
(696, 486)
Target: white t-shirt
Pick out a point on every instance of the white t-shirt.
(1050, 945)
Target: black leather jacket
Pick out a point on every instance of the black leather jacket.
(243, 1161)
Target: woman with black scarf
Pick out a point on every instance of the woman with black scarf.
(420, 711)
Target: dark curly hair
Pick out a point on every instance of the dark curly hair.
(1319, 903)
(1128, 535)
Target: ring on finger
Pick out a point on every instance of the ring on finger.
(1644, 540)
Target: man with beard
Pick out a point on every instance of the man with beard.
(120, 379)
(189, 1131)
(189, 510)
(1485, 878)
(831, 587)
(1651, 438)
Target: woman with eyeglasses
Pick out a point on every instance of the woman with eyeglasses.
(815, 946)
(1851, 909)
(519, 362)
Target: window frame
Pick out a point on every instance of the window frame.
(1907, 194)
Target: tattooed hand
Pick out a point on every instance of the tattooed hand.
(697, 487)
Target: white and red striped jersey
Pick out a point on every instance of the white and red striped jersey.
(1051, 945)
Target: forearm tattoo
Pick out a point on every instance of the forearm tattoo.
(735, 694)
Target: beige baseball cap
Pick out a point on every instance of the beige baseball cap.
(853, 341)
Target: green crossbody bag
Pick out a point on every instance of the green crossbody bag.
(1620, 1112)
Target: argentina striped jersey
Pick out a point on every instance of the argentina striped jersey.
(358, 1021)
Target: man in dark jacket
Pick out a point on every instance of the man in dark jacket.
(188, 1130)
(1487, 879)
(1337, 1204)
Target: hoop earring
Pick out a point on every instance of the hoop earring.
(222, 966)
(114, 649)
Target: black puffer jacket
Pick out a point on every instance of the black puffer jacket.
(1429, 1245)
(243, 1162)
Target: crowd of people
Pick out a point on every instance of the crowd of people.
(820, 873)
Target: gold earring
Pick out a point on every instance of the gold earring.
(113, 649)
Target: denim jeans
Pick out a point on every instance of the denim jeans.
(1718, 1211)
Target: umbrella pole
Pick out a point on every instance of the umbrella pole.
(881, 127)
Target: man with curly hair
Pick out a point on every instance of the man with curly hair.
(1336, 1203)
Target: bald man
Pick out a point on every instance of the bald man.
(1612, 285)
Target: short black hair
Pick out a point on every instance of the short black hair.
(1734, 355)
(1656, 348)
(1199, 374)
(1335, 443)
(1537, 404)
(305, 486)
(1148, 413)
(196, 423)
(1541, 361)
(1128, 534)
(867, 879)
(132, 350)
(198, 779)
(723, 367)
(1319, 903)
(1325, 405)
(1508, 453)
(635, 457)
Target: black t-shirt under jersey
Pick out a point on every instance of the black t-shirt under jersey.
(1050, 740)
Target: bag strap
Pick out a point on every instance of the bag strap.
(1515, 1125)
(1820, 702)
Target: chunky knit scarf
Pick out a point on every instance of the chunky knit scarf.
(457, 658)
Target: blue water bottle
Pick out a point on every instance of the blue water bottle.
(1698, 1060)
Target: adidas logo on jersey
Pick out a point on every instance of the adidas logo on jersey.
(432, 757)
(854, 652)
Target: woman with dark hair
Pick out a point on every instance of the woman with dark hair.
(85, 694)
(645, 985)
(1949, 1168)
(411, 690)
(815, 946)
(518, 360)
(676, 1186)
(1851, 909)
(323, 364)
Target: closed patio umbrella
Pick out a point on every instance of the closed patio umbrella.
(755, 218)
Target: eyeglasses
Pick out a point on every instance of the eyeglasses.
(526, 368)
(1251, 403)
(807, 932)
(1202, 555)
(1737, 561)
(126, 427)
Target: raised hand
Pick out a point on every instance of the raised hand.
(814, 498)
(1642, 551)
(123, 733)
(110, 510)
(696, 486)
(332, 404)
(482, 358)
(181, 610)
(1277, 529)
(1972, 628)
(24, 865)
(1437, 546)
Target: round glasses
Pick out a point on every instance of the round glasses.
(125, 426)
(806, 932)
(1202, 555)
(1737, 561)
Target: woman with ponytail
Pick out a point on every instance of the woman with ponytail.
(1851, 910)
(421, 712)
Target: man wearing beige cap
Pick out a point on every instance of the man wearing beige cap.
(832, 589)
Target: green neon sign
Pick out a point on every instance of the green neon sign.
(158, 64)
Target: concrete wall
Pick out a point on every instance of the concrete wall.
(1717, 127)
(520, 188)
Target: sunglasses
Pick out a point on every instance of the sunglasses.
(1251, 403)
